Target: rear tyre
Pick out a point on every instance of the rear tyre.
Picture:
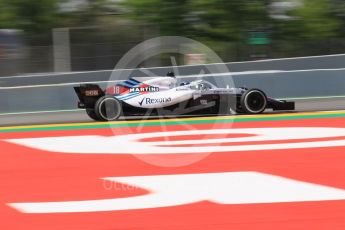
(108, 108)
(253, 101)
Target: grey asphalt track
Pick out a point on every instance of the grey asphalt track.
(287, 64)
(320, 76)
(79, 116)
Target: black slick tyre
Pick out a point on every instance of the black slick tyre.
(253, 101)
(108, 108)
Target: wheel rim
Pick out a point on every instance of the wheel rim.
(109, 109)
(255, 101)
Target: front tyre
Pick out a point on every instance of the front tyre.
(253, 101)
(108, 108)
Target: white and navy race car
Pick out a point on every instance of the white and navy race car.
(163, 96)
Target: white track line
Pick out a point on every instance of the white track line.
(162, 67)
(182, 76)
(291, 58)
(55, 74)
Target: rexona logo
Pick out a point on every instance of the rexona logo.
(144, 89)
(149, 101)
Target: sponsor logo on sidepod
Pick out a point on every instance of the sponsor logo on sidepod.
(149, 101)
(144, 89)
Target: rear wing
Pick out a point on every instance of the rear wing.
(88, 94)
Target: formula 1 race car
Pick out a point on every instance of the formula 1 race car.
(163, 96)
